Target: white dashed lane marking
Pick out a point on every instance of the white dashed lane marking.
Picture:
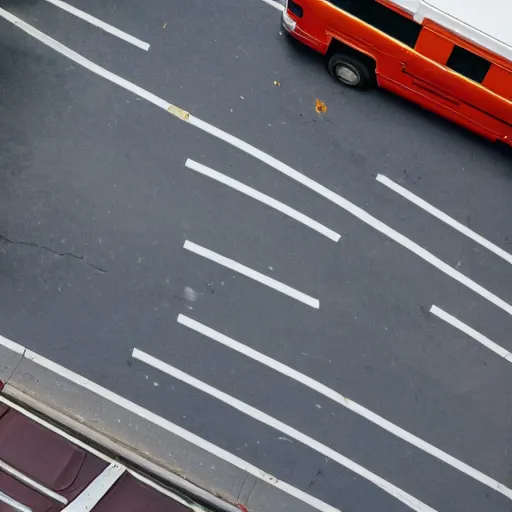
(346, 402)
(100, 24)
(279, 166)
(443, 217)
(289, 172)
(165, 424)
(252, 274)
(466, 329)
(292, 433)
(263, 198)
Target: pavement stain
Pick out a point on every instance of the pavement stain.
(190, 294)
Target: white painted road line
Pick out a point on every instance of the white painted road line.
(486, 342)
(345, 402)
(100, 24)
(274, 4)
(96, 490)
(91, 66)
(18, 475)
(263, 198)
(279, 166)
(252, 274)
(351, 208)
(283, 168)
(413, 198)
(288, 431)
(169, 427)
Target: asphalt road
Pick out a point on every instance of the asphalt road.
(96, 204)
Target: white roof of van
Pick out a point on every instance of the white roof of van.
(487, 23)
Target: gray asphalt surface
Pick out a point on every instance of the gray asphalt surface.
(96, 203)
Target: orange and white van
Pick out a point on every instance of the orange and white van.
(453, 57)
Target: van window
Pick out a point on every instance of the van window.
(383, 18)
(468, 64)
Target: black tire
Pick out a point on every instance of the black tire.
(360, 74)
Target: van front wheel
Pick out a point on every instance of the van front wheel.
(351, 71)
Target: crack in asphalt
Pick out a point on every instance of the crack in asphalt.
(79, 257)
(319, 473)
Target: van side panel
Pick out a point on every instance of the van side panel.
(467, 97)
(438, 107)
(499, 80)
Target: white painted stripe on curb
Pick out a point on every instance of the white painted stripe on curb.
(466, 329)
(252, 274)
(263, 198)
(399, 494)
(424, 205)
(100, 24)
(11, 345)
(166, 425)
(345, 402)
(96, 490)
(263, 157)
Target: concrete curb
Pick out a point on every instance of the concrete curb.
(188, 468)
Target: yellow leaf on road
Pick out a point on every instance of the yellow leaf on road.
(320, 107)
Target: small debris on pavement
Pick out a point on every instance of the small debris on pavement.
(320, 107)
(165, 25)
(277, 83)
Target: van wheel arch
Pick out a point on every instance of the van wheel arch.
(343, 62)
